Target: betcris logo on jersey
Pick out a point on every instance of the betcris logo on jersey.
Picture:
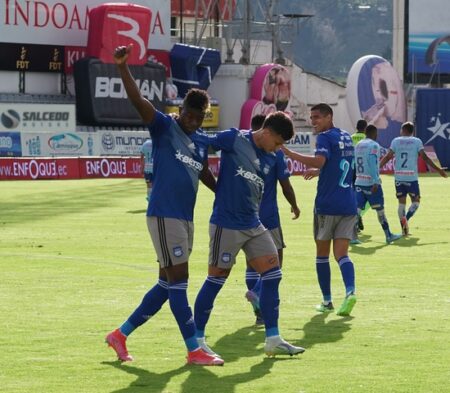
(252, 177)
(189, 161)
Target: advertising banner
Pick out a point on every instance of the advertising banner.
(111, 167)
(120, 143)
(55, 22)
(10, 145)
(26, 57)
(62, 144)
(38, 168)
(302, 142)
(211, 119)
(101, 97)
(433, 121)
(37, 117)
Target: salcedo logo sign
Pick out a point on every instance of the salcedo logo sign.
(37, 117)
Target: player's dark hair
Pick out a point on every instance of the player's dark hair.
(371, 131)
(408, 127)
(323, 108)
(196, 99)
(257, 121)
(280, 124)
(361, 125)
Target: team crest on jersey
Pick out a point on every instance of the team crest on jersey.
(191, 147)
(341, 145)
(201, 151)
(226, 257)
(257, 162)
(178, 251)
(266, 169)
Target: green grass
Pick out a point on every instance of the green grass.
(76, 258)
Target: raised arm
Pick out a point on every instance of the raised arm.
(143, 106)
(289, 194)
(430, 162)
(310, 161)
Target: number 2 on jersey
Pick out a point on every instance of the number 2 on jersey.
(345, 167)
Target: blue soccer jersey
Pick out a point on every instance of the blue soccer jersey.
(240, 184)
(177, 162)
(406, 150)
(146, 151)
(335, 192)
(268, 210)
(367, 158)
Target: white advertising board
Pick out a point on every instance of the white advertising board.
(37, 117)
(53, 22)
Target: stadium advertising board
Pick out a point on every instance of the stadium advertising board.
(427, 41)
(53, 22)
(51, 144)
(433, 121)
(26, 57)
(302, 142)
(117, 143)
(37, 117)
(10, 145)
(69, 168)
(101, 97)
(211, 119)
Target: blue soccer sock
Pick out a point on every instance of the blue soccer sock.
(348, 274)
(269, 301)
(257, 288)
(150, 305)
(205, 302)
(183, 313)
(251, 278)
(412, 209)
(383, 222)
(324, 277)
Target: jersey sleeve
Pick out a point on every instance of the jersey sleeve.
(323, 146)
(419, 145)
(393, 145)
(160, 123)
(281, 166)
(223, 140)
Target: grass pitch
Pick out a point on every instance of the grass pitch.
(76, 259)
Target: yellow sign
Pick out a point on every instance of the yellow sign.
(211, 118)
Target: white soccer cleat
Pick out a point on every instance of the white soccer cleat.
(277, 346)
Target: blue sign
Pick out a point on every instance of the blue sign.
(10, 145)
(433, 121)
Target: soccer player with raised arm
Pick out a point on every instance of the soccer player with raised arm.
(407, 148)
(246, 158)
(335, 203)
(270, 217)
(180, 158)
(368, 182)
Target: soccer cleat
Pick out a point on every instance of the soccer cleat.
(392, 238)
(277, 346)
(200, 357)
(347, 306)
(117, 341)
(202, 344)
(360, 223)
(355, 241)
(322, 307)
(259, 320)
(405, 227)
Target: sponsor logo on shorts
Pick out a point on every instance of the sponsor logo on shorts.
(178, 251)
(226, 257)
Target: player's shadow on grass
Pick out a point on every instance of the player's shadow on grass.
(137, 211)
(146, 381)
(241, 343)
(207, 376)
(320, 331)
